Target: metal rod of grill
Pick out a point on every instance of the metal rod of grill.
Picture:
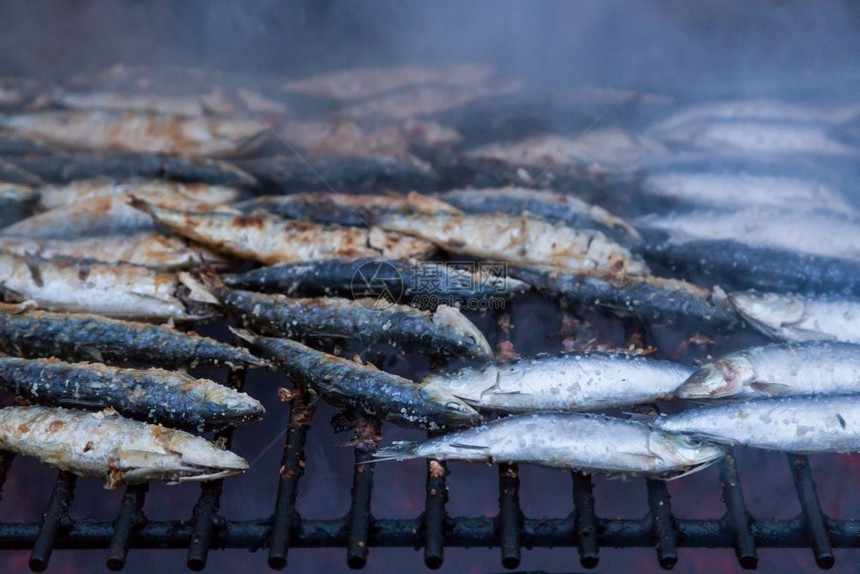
(5, 463)
(813, 517)
(585, 520)
(509, 515)
(434, 514)
(205, 514)
(360, 519)
(291, 470)
(56, 514)
(662, 523)
(130, 516)
(737, 515)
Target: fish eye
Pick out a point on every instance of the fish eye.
(693, 442)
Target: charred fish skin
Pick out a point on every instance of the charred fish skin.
(653, 300)
(568, 209)
(799, 424)
(738, 266)
(269, 239)
(342, 208)
(371, 391)
(68, 168)
(371, 276)
(114, 290)
(812, 368)
(587, 381)
(170, 398)
(81, 337)
(523, 240)
(329, 321)
(582, 442)
(797, 318)
(116, 449)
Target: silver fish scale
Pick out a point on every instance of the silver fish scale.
(801, 424)
(573, 382)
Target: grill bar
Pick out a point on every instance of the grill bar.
(585, 520)
(291, 470)
(54, 517)
(5, 463)
(509, 514)
(205, 516)
(738, 517)
(129, 516)
(662, 523)
(813, 517)
(434, 514)
(360, 518)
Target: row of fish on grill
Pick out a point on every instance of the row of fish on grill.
(95, 277)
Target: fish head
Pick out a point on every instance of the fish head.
(446, 410)
(768, 312)
(468, 384)
(677, 451)
(725, 377)
(471, 340)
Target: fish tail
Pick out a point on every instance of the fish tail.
(401, 450)
(142, 205)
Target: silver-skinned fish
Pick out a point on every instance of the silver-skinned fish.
(116, 449)
(582, 442)
(798, 318)
(349, 384)
(586, 381)
(171, 398)
(800, 424)
(780, 369)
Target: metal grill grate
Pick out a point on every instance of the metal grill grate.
(434, 529)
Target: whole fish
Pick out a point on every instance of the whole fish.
(179, 104)
(269, 239)
(344, 208)
(140, 132)
(105, 216)
(171, 398)
(116, 449)
(348, 384)
(581, 442)
(760, 110)
(147, 248)
(800, 424)
(552, 206)
(400, 281)
(115, 290)
(171, 194)
(369, 82)
(811, 368)
(120, 166)
(360, 174)
(817, 233)
(81, 337)
(649, 299)
(586, 381)
(522, 240)
(735, 265)
(743, 189)
(796, 318)
(756, 137)
(606, 146)
(331, 320)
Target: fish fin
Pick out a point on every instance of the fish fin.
(10, 295)
(142, 205)
(18, 308)
(93, 352)
(243, 334)
(81, 404)
(693, 470)
(199, 288)
(402, 450)
(774, 388)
